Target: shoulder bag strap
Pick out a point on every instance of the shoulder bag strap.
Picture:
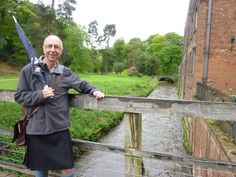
(32, 113)
(57, 81)
(58, 78)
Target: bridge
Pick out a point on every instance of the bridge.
(133, 107)
(167, 79)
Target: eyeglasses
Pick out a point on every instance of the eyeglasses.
(50, 46)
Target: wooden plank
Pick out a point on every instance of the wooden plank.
(5, 132)
(15, 167)
(181, 108)
(22, 169)
(7, 95)
(178, 158)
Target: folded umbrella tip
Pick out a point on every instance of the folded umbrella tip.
(14, 18)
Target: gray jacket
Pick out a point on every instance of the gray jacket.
(53, 114)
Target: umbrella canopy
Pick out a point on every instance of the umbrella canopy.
(26, 43)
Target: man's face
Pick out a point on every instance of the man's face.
(52, 48)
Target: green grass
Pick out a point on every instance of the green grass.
(8, 82)
(186, 144)
(92, 125)
(119, 84)
(110, 84)
(15, 154)
(10, 113)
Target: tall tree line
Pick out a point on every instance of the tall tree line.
(85, 50)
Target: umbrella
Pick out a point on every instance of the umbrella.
(26, 43)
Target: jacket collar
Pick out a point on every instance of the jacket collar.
(58, 69)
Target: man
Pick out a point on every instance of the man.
(46, 85)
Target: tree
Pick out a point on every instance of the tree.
(168, 49)
(155, 43)
(93, 32)
(119, 50)
(65, 10)
(174, 39)
(11, 49)
(134, 49)
(147, 64)
(75, 45)
(42, 24)
(170, 58)
(108, 32)
(107, 60)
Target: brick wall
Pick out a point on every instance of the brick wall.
(221, 70)
(205, 144)
(222, 65)
(222, 51)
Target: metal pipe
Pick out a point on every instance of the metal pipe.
(207, 44)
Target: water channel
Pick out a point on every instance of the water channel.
(160, 133)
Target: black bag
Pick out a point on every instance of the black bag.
(20, 129)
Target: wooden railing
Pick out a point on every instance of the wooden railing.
(200, 109)
(133, 107)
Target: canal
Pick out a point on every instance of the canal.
(160, 133)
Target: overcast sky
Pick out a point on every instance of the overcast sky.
(134, 18)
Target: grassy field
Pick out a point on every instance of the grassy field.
(110, 84)
(8, 82)
(119, 84)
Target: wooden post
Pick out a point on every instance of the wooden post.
(133, 140)
(234, 131)
(133, 128)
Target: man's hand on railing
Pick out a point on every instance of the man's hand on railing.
(98, 95)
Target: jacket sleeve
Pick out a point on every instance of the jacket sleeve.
(81, 86)
(25, 94)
